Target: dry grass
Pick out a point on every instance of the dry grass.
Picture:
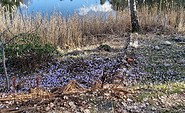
(173, 19)
(76, 31)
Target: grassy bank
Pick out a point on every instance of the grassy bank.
(76, 31)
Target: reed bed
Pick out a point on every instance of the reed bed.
(76, 31)
(168, 18)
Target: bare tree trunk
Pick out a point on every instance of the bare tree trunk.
(134, 18)
(4, 66)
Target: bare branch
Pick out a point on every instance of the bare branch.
(22, 34)
(1, 42)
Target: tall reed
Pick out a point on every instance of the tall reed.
(75, 31)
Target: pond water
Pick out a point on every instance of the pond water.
(83, 7)
(65, 7)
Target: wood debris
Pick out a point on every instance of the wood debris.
(73, 87)
(34, 94)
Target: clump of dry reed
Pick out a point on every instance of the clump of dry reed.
(75, 30)
(168, 18)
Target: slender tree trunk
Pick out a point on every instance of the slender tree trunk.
(134, 18)
(4, 67)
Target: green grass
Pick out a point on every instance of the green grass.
(155, 90)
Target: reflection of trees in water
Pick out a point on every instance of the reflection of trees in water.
(160, 4)
(165, 4)
(27, 2)
(10, 5)
(102, 2)
(119, 4)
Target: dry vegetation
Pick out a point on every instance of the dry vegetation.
(75, 31)
(148, 94)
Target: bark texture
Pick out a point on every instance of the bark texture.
(134, 18)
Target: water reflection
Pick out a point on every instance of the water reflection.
(102, 2)
(66, 7)
(84, 6)
(160, 4)
(119, 4)
(10, 5)
(106, 7)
